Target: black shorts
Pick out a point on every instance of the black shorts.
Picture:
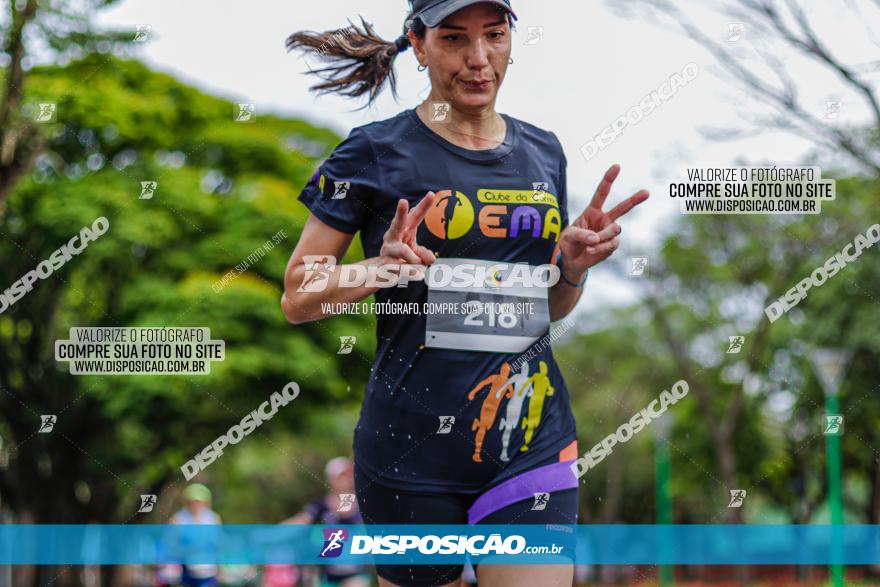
(384, 505)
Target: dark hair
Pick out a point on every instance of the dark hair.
(360, 62)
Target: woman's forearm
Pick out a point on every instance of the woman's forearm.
(307, 306)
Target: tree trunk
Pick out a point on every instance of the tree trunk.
(610, 512)
(14, 159)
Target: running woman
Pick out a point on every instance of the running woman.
(436, 442)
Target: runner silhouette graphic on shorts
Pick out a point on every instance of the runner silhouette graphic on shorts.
(498, 383)
(510, 420)
(541, 388)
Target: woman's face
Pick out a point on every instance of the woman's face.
(467, 56)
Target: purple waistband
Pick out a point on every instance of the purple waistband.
(546, 479)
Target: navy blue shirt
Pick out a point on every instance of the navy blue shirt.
(486, 208)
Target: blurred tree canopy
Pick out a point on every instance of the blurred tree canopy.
(751, 420)
(223, 189)
(33, 31)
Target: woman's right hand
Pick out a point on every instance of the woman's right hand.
(399, 248)
(399, 245)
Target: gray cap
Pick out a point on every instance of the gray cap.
(433, 12)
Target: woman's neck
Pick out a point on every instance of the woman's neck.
(480, 130)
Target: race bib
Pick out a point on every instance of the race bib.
(489, 306)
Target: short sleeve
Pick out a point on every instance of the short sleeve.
(342, 191)
(562, 183)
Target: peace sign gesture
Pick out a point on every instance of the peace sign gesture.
(593, 235)
(399, 244)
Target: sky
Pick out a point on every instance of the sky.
(589, 67)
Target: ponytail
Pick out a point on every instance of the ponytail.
(360, 62)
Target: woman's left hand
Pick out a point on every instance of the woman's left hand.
(593, 235)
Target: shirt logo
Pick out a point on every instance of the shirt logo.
(505, 214)
(451, 216)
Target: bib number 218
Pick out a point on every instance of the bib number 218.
(475, 311)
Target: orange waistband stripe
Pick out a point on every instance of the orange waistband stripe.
(570, 452)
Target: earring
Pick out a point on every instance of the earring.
(422, 67)
(510, 61)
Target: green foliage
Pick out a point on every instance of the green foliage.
(224, 189)
(712, 280)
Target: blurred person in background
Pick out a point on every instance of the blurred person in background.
(338, 507)
(197, 510)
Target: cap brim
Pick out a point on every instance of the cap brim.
(436, 14)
